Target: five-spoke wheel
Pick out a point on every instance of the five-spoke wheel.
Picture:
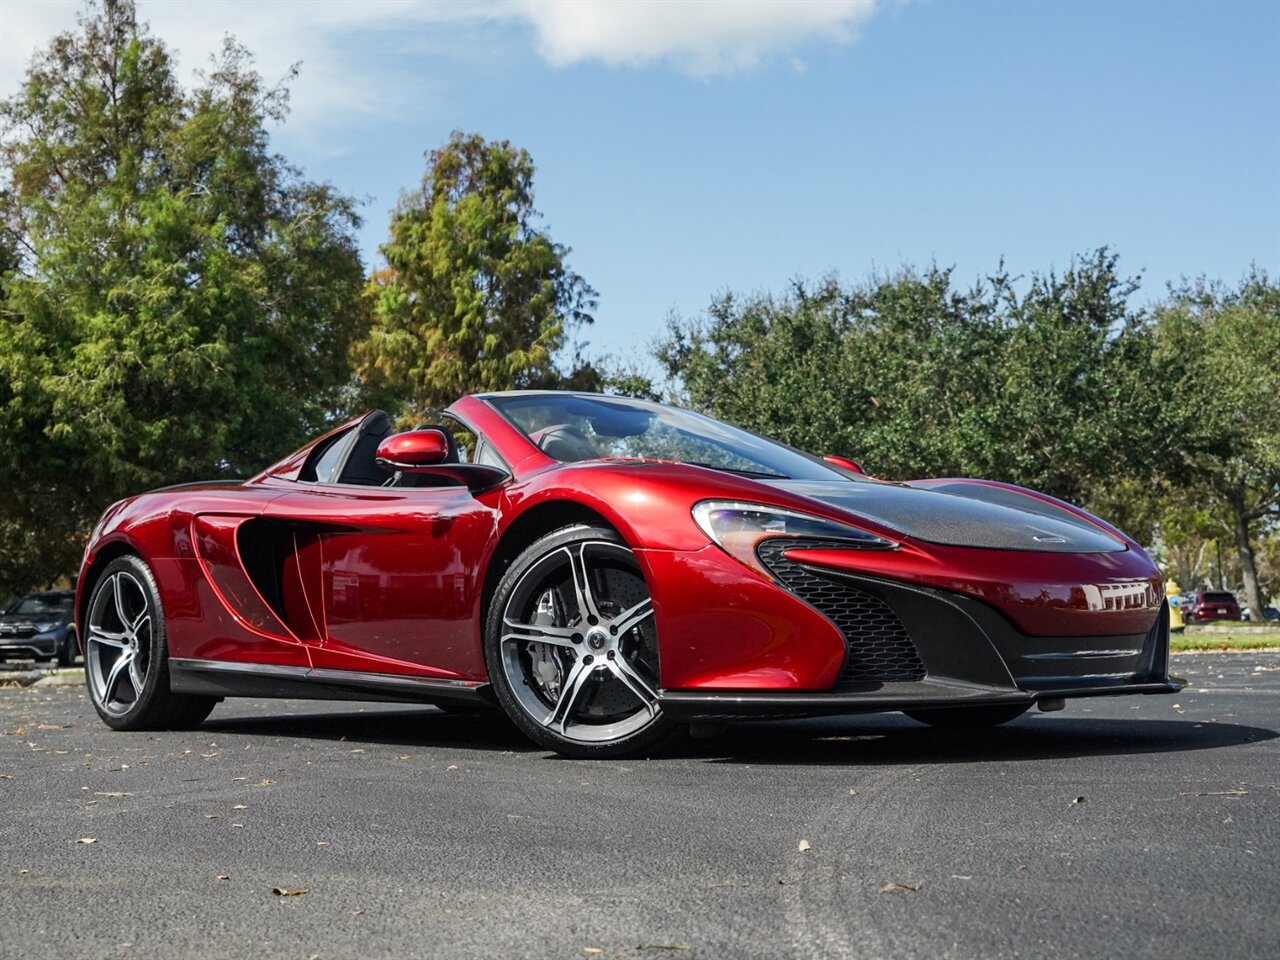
(572, 648)
(118, 643)
(125, 656)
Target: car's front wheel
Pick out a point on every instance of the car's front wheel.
(572, 649)
(126, 660)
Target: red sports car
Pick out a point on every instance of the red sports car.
(604, 570)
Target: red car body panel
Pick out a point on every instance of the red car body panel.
(392, 580)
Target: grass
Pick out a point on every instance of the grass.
(1184, 643)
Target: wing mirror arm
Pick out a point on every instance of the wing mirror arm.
(476, 477)
(425, 452)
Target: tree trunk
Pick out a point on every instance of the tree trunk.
(1249, 570)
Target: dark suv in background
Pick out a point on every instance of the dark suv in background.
(1212, 605)
(39, 625)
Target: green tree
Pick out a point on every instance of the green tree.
(180, 302)
(1220, 349)
(474, 296)
(914, 377)
(855, 371)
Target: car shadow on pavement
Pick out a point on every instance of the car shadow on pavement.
(865, 739)
(892, 739)
(416, 727)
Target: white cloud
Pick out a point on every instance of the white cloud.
(341, 44)
(702, 38)
(347, 47)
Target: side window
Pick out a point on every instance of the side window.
(471, 448)
(323, 461)
(464, 438)
(489, 458)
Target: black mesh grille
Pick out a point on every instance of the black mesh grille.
(879, 648)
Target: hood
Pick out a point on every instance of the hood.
(956, 517)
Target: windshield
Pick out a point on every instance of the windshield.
(1219, 598)
(572, 427)
(36, 606)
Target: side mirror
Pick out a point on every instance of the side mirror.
(425, 451)
(844, 463)
(417, 448)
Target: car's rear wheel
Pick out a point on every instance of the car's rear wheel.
(572, 649)
(126, 660)
(969, 717)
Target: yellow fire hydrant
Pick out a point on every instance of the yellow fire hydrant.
(1173, 593)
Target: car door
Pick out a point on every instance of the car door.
(390, 575)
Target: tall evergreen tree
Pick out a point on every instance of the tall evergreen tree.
(180, 301)
(474, 296)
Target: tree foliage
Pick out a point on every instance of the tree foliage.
(1221, 350)
(915, 377)
(179, 302)
(474, 296)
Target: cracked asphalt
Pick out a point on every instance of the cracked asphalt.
(1133, 826)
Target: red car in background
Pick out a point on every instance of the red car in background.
(605, 570)
(1209, 605)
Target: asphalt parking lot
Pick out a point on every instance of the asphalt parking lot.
(1135, 827)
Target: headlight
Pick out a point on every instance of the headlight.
(45, 627)
(738, 529)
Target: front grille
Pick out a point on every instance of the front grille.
(18, 631)
(879, 648)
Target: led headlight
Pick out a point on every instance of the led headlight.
(738, 529)
(45, 627)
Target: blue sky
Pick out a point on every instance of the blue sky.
(684, 150)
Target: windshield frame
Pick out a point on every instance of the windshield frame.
(795, 464)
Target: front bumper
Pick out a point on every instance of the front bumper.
(967, 654)
(41, 645)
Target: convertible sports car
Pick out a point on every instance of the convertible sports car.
(605, 570)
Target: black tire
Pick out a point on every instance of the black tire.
(570, 643)
(126, 644)
(67, 652)
(969, 718)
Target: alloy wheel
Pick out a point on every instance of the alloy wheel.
(578, 646)
(119, 642)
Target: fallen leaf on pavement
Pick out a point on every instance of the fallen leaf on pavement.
(288, 891)
(893, 886)
(1075, 801)
(223, 876)
(803, 845)
(112, 793)
(239, 806)
(87, 840)
(663, 946)
(592, 950)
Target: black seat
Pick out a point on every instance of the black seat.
(359, 467)
(566, 443)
